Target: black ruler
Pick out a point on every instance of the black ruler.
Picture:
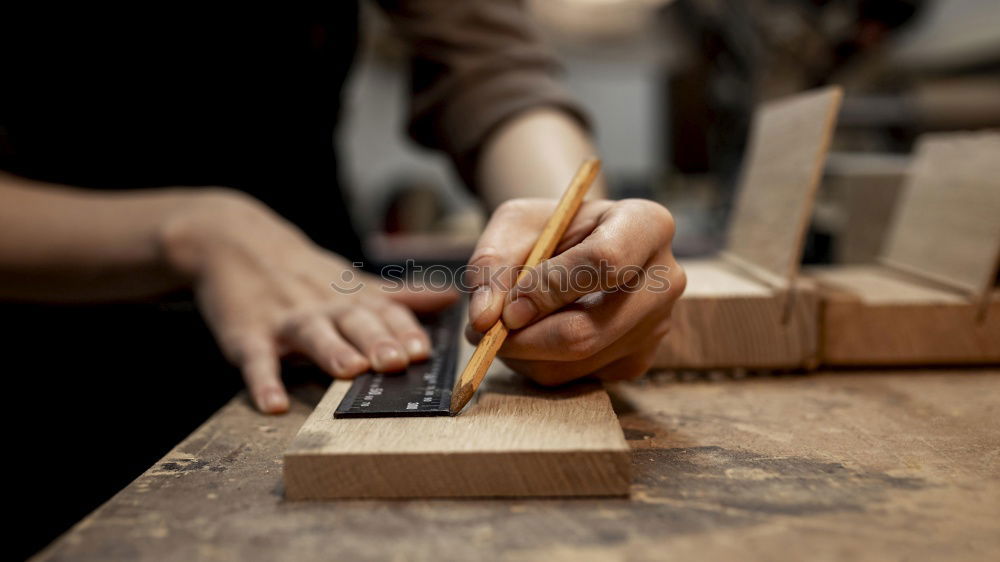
(423, 389)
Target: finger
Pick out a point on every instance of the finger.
(368, 333)
(627, 368)
(562, 369)
(628, 357)
(613, 255)
(472, 335)
(506, 243)
(257, 358)
(314, 336)
(580, 330)
(407, 330)
(432, 296)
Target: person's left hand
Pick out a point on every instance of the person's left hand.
(598, 307)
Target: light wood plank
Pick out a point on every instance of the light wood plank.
(947, 227)
(787, 151)
(515, 439)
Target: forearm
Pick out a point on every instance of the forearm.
(72, 245)
(535, 154)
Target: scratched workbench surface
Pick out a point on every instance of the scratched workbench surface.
(860, 465)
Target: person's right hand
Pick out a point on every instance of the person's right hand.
(266, 290)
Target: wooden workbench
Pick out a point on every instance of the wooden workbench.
(829, 466)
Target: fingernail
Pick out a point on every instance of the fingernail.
(345, 367)
(350, 366)
(518, 313)
(416, 347)
(273, 402)
(386, 357)
(480, 302)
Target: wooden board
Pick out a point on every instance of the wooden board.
(947, 228)
(515, 439)
(725, 319)
(857, 466)
(873, 315)
(787, 150)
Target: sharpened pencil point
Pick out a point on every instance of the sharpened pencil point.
(460, 397)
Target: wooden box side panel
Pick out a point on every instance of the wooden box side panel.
(787, 149)
(865, 334)
(946, 228)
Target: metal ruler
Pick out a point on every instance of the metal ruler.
(423, 389)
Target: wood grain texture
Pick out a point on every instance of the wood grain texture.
(788, 144)
(873, 315)
(726, 319)
(947, 227)
(515, 439)
(856, 466)
(472, 375)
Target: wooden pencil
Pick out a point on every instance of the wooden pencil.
(555, 228)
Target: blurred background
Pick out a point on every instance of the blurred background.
(671, 86)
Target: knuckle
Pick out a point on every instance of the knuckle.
(392, 309)
(302, 327)
(661, 217)
(512, 207)
(483, 257)
(545, 287)
(481, 265)
(604, 252)
(242, 346)
(578, 336)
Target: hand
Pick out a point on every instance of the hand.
(598, 307)
(265, 291)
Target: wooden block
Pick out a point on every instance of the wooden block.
(747, 308)
(934, 300)
(726, 319)
(515, 439)
(873, 315)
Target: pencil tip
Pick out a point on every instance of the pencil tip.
(460, 397)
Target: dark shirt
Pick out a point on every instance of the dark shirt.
(252, 101)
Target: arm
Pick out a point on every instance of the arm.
(264, 289)
(533, 155)
(63, 244)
